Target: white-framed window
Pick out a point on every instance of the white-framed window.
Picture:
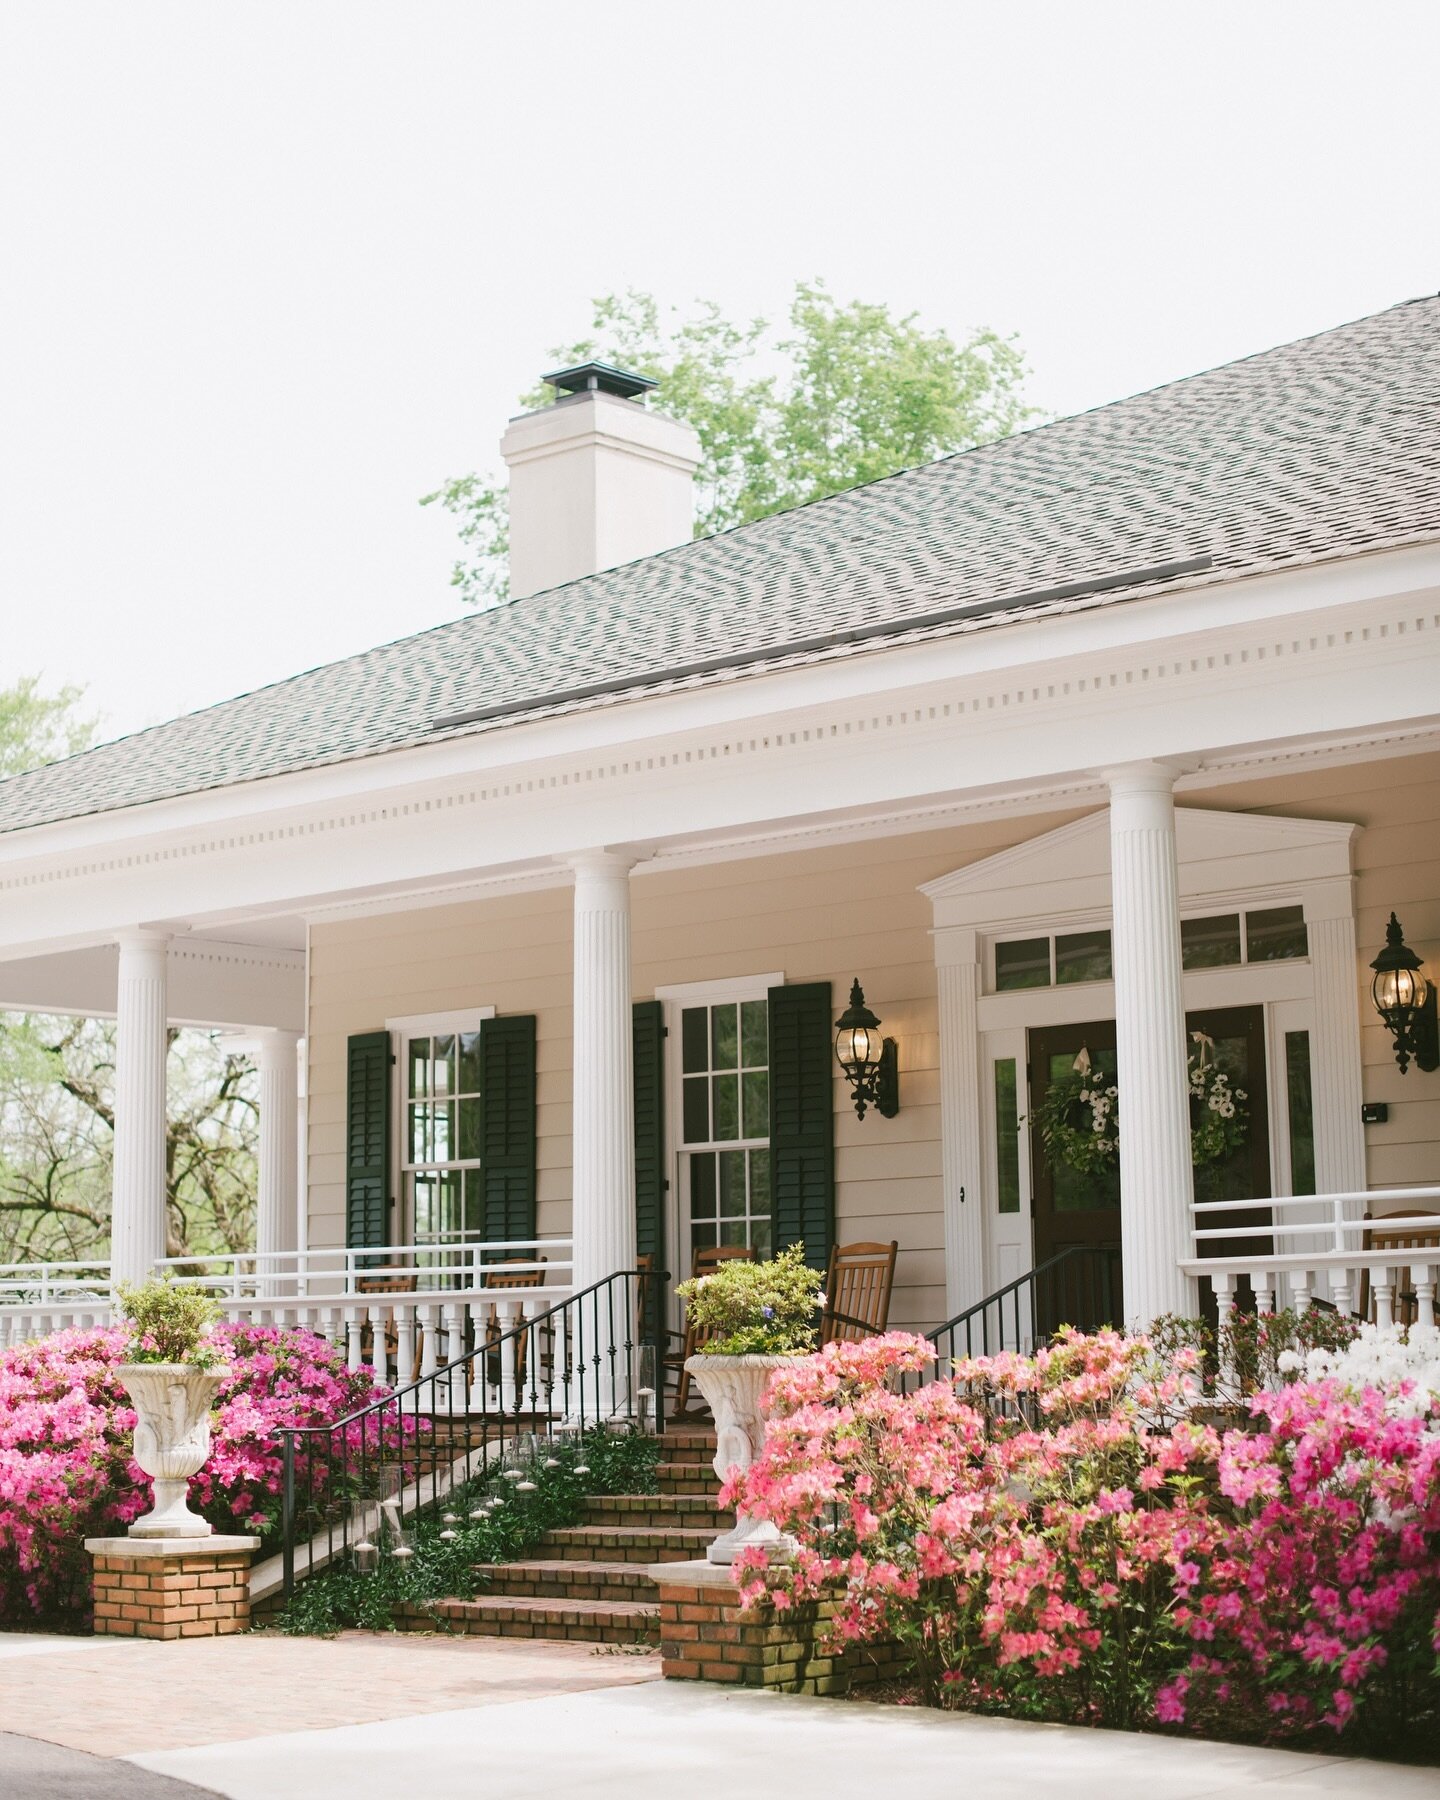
(437, 1094)
(1238, 937)
(718, 1080)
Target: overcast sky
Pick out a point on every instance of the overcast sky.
(271, 271)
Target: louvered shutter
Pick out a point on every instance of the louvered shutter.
(367, 1139)
(507, 1127)
(648, 1034)
(802, 1118)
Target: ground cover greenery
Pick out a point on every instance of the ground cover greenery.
(494, 1520)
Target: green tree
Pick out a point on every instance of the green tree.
(843, 394)
(37, 727)
(57, 1082)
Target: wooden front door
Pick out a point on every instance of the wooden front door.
(1075, 1208)
(1072, 1208)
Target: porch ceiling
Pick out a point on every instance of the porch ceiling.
(210, 982)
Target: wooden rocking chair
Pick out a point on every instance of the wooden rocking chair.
(504, 1275)
(858, 1284)
(1412, 1237)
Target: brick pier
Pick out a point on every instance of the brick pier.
(171, 1587)
(704, 1636)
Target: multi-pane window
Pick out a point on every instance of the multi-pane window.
(1267, 934)
(1052, 961)
(1224, 940)
(440, 1135)
(725, 1123)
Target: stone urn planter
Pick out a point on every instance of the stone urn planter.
(172, 1440)
(733, 1386)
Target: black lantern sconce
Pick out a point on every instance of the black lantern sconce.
(1405, 1000)
(871, 1063)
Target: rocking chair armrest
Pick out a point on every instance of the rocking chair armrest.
(830, 1317)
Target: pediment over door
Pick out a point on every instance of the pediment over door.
(1222, 857)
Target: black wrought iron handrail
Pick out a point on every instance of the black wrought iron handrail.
(552, 1374)
(1076, 1286)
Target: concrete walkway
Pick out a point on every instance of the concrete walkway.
(451, 1719)
(666, 1741)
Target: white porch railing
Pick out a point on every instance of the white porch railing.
(404, 1310)
(1315, 1245)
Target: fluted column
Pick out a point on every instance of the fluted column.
(957, 973)
(275, 1213)
(1156, 1178)
(137, 1214)
(1335, 1084)
(603, 1160)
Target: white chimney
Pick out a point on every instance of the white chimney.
(595, 479)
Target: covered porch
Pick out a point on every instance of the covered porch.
(519, 1082)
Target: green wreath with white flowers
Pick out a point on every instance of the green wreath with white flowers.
(1079, 1117)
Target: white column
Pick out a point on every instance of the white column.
(1156, 1185)
(603, 1159)
(957, 974)
(275, 1213)
(1335, 1089)
(137, 1216)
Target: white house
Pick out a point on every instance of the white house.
(1119, 730)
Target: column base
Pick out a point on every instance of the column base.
(172, 1587)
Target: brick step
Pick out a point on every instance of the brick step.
(660, 1510)
(624, 1543)
(570, 1580)
(534, 1616)
(687, 1478)
(687, 1446)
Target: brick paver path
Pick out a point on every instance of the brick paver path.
(117, 1696)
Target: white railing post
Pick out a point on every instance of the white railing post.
(354, 1334)
(454, 1350)
(1422, 1275)
(404, 1342)
(1340, 1285)
(506, 1321)
(1222, 1283)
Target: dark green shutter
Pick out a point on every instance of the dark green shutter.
(802, 1118)
(507, 1127)
(367, 1139)
(648, 1036)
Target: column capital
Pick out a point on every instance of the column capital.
(1156, 777)
(141, 938)
(604, 860)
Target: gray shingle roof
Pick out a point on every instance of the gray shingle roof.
(1324, 448)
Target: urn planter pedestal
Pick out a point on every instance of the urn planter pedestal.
(172, 1441)
(733, 1386)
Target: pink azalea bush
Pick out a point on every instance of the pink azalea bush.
(66, 1472)
(1057, 1537)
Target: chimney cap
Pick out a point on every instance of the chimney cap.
(599, 377)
